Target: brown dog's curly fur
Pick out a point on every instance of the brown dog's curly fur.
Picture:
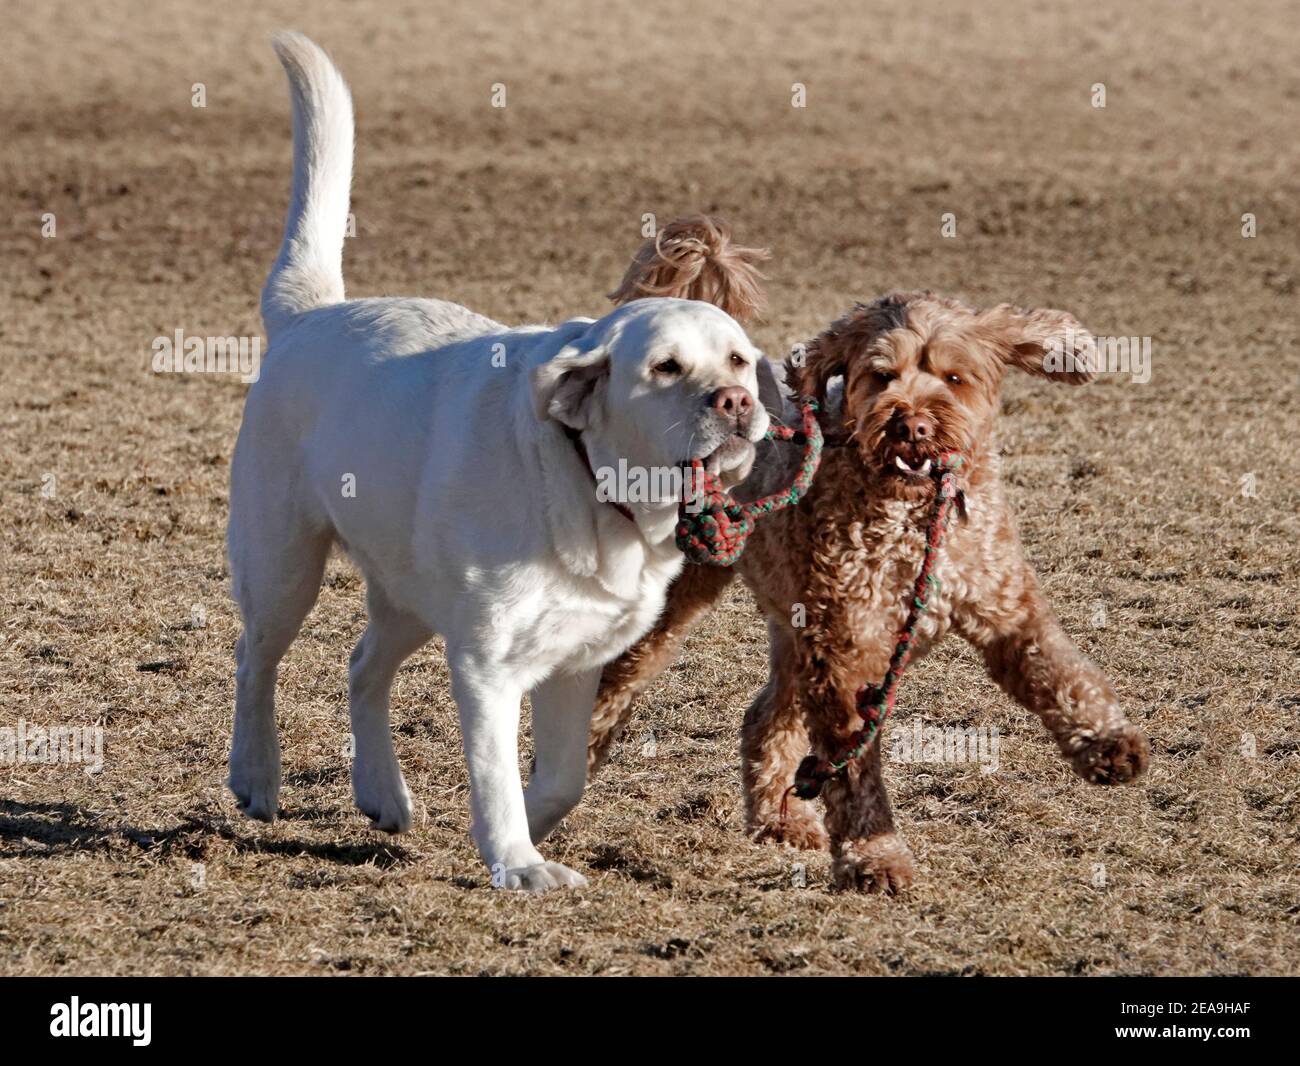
(921, 375)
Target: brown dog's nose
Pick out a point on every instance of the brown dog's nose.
(733, 401)
(914, 428)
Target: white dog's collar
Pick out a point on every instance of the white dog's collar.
(576, 436)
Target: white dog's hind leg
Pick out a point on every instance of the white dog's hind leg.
(488, 703)
(562, 706)
(377, 784)
(275, 590)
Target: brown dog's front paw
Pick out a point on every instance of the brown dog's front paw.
(1113, 758)
(804, 831)
(878, 864)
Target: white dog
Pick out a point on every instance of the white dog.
(453, 459)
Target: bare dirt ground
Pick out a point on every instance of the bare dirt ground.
(1162, 516)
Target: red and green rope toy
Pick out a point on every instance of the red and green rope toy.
(875, 703)
(713, 528)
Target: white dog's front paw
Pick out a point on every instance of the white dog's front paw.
(538, 877)
(256, 785)
(383, 798)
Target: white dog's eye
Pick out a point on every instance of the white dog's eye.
(667, 367)
(739, 361)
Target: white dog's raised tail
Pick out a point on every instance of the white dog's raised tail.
(309, 269)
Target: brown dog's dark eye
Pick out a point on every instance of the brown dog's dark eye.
(953, 379)
(884, 376)
(667, 367)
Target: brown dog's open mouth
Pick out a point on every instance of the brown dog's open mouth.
(916, 468)
(908, 464)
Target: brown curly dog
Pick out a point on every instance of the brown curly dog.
(902, 380)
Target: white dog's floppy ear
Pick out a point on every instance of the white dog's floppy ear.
(1052, 344)
(564, 384)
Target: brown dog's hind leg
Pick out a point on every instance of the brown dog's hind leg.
(868, 854)
(690, 597)
(809, 705)
(773, 741)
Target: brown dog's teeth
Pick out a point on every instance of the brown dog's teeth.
(913, 471)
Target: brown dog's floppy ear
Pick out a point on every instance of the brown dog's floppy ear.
(563, 385)
(693, 259)
(1052, 344)
(810, 368)
(769, 391)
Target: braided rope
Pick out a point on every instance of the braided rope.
(875, 703)
(713, 528)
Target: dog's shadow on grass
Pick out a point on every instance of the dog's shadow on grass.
(47, 830)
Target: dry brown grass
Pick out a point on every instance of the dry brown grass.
(1129, 495)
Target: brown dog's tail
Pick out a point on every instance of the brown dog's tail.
(693, 258)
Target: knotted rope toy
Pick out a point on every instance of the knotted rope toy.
(875, 703)
(713, 528)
